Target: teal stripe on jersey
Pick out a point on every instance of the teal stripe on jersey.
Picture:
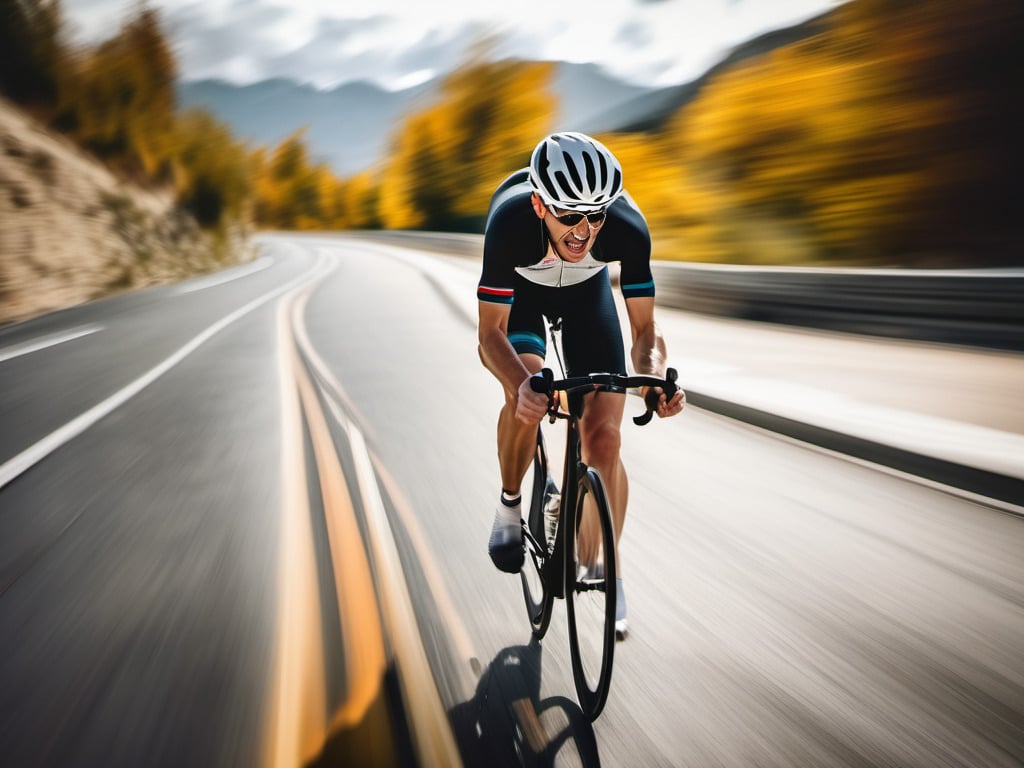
(524, 341)
(635, 290)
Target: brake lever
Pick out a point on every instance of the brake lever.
(652, 398)
(541, 383)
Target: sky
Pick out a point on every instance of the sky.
(400, 43)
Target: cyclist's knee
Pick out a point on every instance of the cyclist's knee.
(602, 442)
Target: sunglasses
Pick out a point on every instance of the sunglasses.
(572, 218)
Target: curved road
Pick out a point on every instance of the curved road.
(210, 492)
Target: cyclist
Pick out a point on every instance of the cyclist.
(551, 230)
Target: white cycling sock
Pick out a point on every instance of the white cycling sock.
(508, 518)
(509, 511)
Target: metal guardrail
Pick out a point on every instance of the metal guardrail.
(975, 307)
(978, 307)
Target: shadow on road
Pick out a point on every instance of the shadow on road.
(506, 723)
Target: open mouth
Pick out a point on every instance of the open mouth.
(574, 245)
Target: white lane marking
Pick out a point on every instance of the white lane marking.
(43, 342)
(227, 276)
(44, 447)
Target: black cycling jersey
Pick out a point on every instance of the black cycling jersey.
(515, 240)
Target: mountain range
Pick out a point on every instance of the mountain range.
(349, 127)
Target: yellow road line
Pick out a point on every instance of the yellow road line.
(297, 710)
(361, 630)
(300, 723)
(432, 735)
(442, 597)
(432, 732)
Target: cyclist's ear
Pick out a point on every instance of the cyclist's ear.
(538, 206)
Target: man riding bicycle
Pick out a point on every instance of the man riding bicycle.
(542, 257)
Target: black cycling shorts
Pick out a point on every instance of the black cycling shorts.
(591, 335)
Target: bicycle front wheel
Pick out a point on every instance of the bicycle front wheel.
(539, 599)
(590, 594)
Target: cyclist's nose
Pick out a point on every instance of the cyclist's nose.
(584, 228)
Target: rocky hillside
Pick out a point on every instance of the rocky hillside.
(70, 231)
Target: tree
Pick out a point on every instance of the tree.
(31, 56)
(212, 170)
(447, 159)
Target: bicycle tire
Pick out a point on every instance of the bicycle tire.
(591, 602)
(538, 597)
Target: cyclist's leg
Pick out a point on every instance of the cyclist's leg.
(516, 439)
(600, 434)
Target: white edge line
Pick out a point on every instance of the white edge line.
(990, 502)
(44, 342)
(201, 283)
(44, 447)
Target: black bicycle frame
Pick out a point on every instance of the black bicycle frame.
(572, 471)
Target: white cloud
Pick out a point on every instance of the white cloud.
(395, 42)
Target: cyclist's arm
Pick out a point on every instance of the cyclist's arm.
(648, 354)
(496, 352)
(501, 359)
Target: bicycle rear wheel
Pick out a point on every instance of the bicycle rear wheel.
(538, 597)
(590, 596)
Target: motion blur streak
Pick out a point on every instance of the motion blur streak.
(297, 726)
(432, 734)
(43, 448)
(47, 341)
(303, 720)
(303, 727)
(360, 625)
(337, 398)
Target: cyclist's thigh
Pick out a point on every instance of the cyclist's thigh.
(591, 335)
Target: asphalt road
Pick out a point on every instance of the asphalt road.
(187, 475)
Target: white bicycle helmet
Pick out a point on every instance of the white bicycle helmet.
(574, 172)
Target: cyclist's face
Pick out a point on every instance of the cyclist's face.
(571, 243)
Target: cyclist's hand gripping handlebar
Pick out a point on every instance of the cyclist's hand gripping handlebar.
(652, 398)
(542, 383)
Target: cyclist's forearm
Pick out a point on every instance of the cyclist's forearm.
(649, 354)
(501, 360)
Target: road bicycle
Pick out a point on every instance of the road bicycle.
(577, 562)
